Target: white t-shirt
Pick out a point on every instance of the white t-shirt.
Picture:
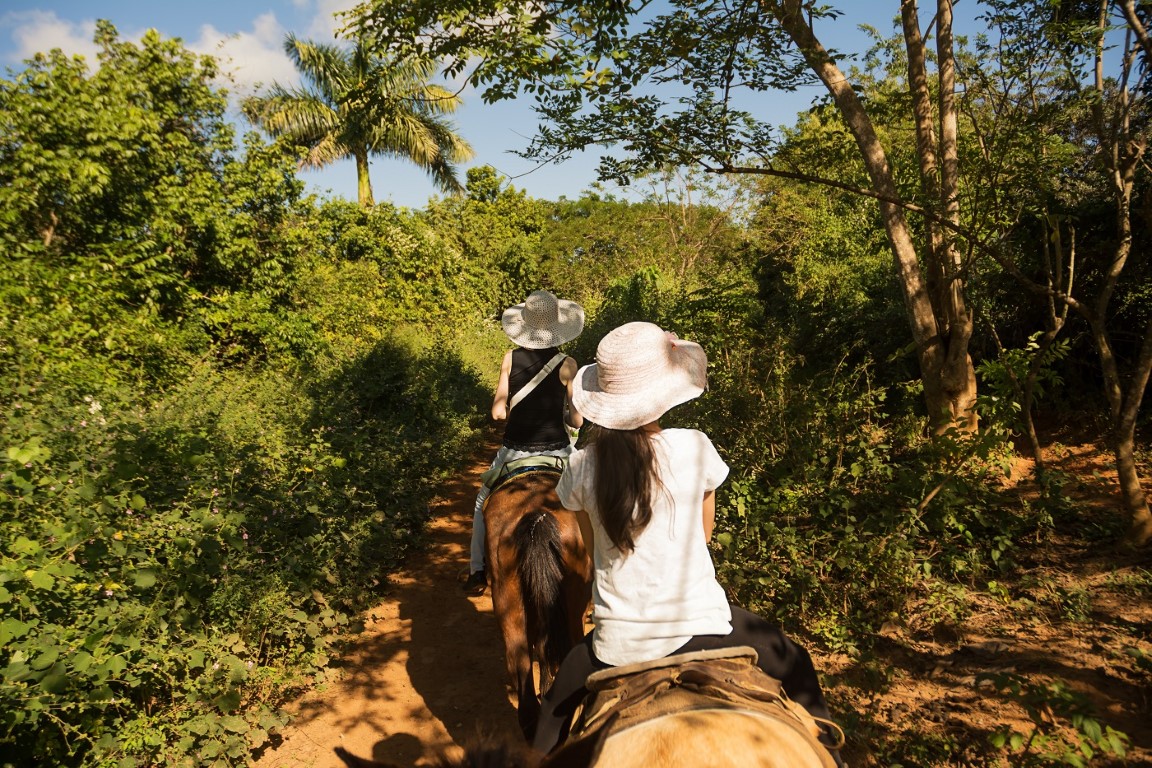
(648, 603)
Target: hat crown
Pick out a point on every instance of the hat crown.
(541, 310)
(628, 357)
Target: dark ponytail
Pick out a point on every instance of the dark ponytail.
(625, 482)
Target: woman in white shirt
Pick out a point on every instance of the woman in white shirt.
(646, 500)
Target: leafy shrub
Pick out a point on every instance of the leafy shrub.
(170, 568)
(1064, 732)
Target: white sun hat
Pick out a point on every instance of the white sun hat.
(543, 321)
(641, 371)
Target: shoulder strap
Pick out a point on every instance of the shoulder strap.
(539, 377)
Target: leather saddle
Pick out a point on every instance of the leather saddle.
(722, 679)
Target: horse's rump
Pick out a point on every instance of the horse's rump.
(538, 539)
(540, 572)
(708, 708)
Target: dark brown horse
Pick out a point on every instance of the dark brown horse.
(540, 574)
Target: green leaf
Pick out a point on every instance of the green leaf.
(234, 724)
(197, 725)
(46, 658)
(54, 682)
(228, 701)
(145, 578)
(11, 629)
(41, 580)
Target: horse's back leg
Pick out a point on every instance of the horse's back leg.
(508, 605)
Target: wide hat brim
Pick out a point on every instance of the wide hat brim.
(644, 394)
(567, 324)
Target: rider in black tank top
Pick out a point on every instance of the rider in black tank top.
(535, 424)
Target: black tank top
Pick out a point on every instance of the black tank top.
(537, 421)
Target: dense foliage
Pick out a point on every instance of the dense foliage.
(222, 422)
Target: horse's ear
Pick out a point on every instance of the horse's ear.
(359, 762)
(584, 752)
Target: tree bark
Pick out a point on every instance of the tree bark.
(1123, 153)
(1140, 532)
(959, 375)
(363, 180)
(947, 404)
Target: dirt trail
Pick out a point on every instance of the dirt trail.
(428, 671)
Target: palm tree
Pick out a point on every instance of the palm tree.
(355, 104)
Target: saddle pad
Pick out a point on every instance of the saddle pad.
(727, 682)
(601, 679)
(497, 476)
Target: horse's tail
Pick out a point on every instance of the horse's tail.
(537, 539)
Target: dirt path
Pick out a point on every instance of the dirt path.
(428, 671)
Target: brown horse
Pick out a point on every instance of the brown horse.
(540, 573)
(707, 711)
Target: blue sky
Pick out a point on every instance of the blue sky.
(248, 34)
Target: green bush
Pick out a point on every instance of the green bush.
(170, 568)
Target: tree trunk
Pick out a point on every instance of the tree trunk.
(946, 371)
(363, 181)
(925, 139)
(1136, 503)
(959, 375)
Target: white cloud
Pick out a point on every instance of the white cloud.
(35, 32)
(324, 22)
(251, 58)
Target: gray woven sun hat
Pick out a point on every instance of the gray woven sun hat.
(543, 321)
(641, 371)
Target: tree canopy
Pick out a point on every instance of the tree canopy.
(672, 83)
(356, 104)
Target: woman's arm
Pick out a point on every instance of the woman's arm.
(568, 370)
(500, 402)
(709, 514)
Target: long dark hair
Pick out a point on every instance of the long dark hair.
(626, 482)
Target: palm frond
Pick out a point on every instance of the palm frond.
(353, 98)
(405, 135)
(431, 144)
(300, 117)
(327, 151)
(438, 100)
(326, 67)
